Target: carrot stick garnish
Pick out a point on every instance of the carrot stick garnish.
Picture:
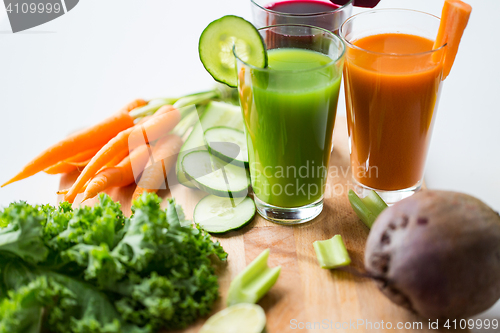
(130, 138)
(454, 19)
(164, 156)
(94, 136)
(121, 175)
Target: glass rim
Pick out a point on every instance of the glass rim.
(349, 44)
(340, 8)
(332, 62)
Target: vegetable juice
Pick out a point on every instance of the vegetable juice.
(390, 107)
(289, 113)
(318, 13)
(302, 6)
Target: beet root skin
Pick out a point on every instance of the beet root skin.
(437, 253)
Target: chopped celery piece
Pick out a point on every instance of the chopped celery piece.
(331, 253)
(361, 210)
(253, 282)
(374, 203)
(241, 318)
(368, 208)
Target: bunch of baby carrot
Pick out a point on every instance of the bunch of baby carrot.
(142, 138)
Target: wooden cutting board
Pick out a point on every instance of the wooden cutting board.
(336, 299)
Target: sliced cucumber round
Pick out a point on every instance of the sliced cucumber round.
(214, 176)
(216, 48)
(227, 144)
(215, 114)
(241, 318)
(217, 215)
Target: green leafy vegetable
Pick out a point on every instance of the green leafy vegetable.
(93, 270)
(253, 282)
(331, 253)
(22, 234)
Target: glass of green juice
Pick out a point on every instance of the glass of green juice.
(289, 111)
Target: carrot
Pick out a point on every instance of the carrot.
(94, 136)
(130, 138)
(61, 167)
(72, 163)
(121, 175)
(454, 18)
(64, 191)
(164, 156)
(119, 156)
(81, 164)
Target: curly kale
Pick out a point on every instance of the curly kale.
(94, 270)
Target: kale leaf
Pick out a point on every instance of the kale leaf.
(94, 270)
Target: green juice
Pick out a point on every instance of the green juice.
(289, 112)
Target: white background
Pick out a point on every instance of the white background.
(74, 71)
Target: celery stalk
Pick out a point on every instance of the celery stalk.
(253, 282)
(331, 253)
(150, 108)
(361, 210)
(198, 98)
(374, 203)
(185, 124)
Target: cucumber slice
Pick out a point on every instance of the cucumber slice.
(216, 114)
(216, 48)
(217, 215)
(241, 318)
(214, 176)
(227, 144)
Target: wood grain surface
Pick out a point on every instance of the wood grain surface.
(330, 300)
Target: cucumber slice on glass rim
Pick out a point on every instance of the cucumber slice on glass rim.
(216, 48)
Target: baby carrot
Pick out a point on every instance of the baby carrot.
(454, 18)
(164, 156)
(94, 136)
(130, 138)
(121, 175)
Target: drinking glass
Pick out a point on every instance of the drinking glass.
(391, 101)
(289, 115)
(330, 19)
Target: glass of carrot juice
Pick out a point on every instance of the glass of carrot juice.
(392, 76)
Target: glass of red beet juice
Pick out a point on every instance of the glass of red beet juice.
(325, 14)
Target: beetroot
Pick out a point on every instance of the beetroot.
(437, 253)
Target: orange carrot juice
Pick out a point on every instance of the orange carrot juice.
(392, 83)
